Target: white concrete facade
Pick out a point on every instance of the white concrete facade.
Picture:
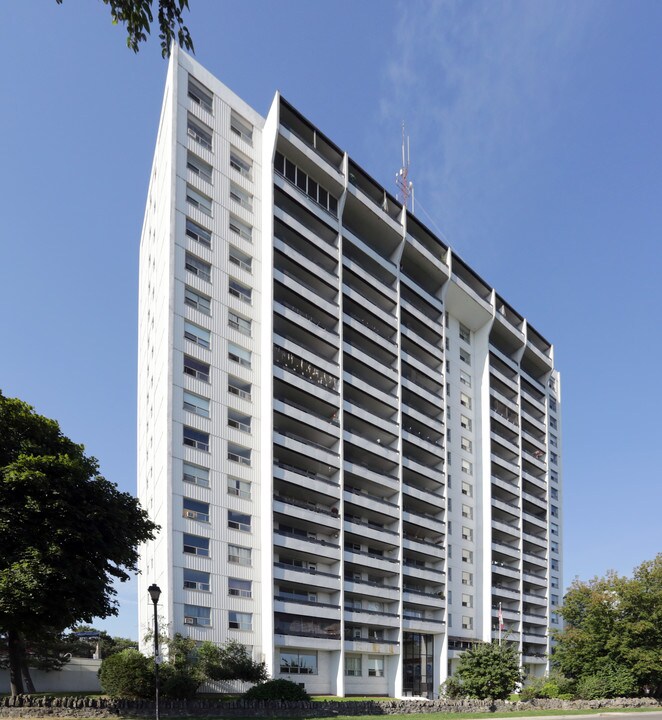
(351, 442)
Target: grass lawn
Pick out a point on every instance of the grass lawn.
(458, 716)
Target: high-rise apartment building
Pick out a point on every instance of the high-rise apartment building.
(351, 441)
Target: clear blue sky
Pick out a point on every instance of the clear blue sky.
(536, 149)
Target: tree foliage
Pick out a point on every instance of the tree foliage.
(127, 674)
(613, 632)
(138, 17)
(66, 533)
(188, 665)
(488, 671)
(279, 689)
(231, 661)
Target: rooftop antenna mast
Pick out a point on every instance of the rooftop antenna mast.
(405, 185)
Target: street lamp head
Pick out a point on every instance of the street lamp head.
(154, 592)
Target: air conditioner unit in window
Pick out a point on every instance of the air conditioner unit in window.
(189, 514)
(189, 621)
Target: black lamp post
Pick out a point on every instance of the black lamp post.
(155, 593)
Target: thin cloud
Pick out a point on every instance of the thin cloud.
(477, 83)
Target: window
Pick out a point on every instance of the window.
(467, 467)
(240, 196)
(465, 378)
(200, 133)
(240, 588)
(465, 401)
(197, 615)
(467, 600)
(353, 666)
(196, 404)
(238, 290)
(239, 521)
(196, 439)
(196, 475)
(465, 333)
(241, 228)
(239, 454)
(467, 489)
(199, 167)
(467, 622)
(554, 545)
(554, 493)
(196, 368)
(552, 404)
(200, 95)
(554, 582)
(467, 578)
(241, 164)
(239, 388)
(287, 169)
(466, 444)
(554, 458)
(553, 423)
(555, 600)
(240, 621)
(239, 420)
(198, 200)
(198, 267)
(555, 619)
(195, 545)
(467, 512)
(465, 422)
(554, 476)
(239, 355)
(240, 488)
(450, 620)
(241, 128)
(375, 666)
(198, 233)
(197, 300)
(196, 580)
(467, 555)
(465, 357)
(240, 259)
(554, 564)
(239, 555)
(298, 663)
(197, 335)
(237, 322)
(554, 511)
(554, 529)
(467, 533)
(195, 510)
(553, 441)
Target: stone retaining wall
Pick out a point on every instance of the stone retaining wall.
(72, 707)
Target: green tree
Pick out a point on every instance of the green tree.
(613, 632)
(231, 661)
(127, 674)
(138, 17)
(488, 671)
(66, 533)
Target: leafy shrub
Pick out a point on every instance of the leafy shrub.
(552, 686)
(127, 674)
(277, 690)
(179, 683)
(451, 689)
(609, 682)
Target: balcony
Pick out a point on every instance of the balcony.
(361, 271)
(308, 545)
(306, 511)
(371, 560)
(294, 574)
(369, 501)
